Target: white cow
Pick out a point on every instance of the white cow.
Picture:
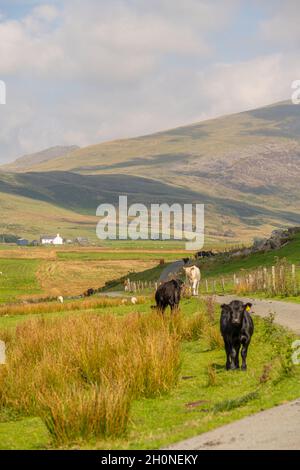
(193, 277)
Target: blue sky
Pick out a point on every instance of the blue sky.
(84, 71)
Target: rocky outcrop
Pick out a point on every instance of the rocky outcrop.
(277, 239)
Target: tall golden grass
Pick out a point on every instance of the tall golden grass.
(80, 373)
(52, 307)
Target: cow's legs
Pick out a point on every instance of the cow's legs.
(161, 308)
(244, 356)
(233, 354)
(195, 287)
(237, 362)
(227, 349)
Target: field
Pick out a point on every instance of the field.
(199, 394)
(223, 268)
(104, 394)
(30, 272)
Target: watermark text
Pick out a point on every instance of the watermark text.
(156, 222)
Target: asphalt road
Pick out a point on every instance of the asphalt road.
(273, 429)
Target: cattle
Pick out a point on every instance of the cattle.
(204, 254)
(60, 299)
(193, 277)
(133, 300)
(127, 286)
(168, 294)
(237, 329)
(89, 292)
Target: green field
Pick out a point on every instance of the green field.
(205, 397)
(29, 271)
(18, 279)
(130, 255)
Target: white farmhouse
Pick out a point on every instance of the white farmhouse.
(52, 240)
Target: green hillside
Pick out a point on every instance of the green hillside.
(244, 167)
(30, 218)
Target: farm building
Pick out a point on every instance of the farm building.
(22, 242)
(52, 240)
(83, 241)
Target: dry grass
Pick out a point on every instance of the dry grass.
(72, 278)
(80, 374)
(19, 252)
(56, 307)
(192, 327)
(212, 336)
(211, 375)
(203, 326)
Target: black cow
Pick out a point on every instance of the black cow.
(89, 292)
(204, 254)
(237, 329)
(168, 294)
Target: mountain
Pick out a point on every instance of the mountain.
(244, 167)
(27, 161)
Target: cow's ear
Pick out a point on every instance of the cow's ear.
(248, 306)
(225, 307)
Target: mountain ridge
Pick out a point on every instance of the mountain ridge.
(26, 161)
(244, 167)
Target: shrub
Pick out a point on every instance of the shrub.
(80, 374)
(211, 375)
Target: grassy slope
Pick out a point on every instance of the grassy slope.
(215, 162)
(27, 217)
(158, 422)
(221, 266)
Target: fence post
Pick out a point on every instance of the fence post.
(294, 279)
(265, 277)
(206, 285)
(273, 278)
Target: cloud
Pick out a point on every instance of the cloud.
(95, 40)
(83, 72)
(228, 88)
(282, 27)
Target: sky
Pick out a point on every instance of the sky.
(79, 72)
